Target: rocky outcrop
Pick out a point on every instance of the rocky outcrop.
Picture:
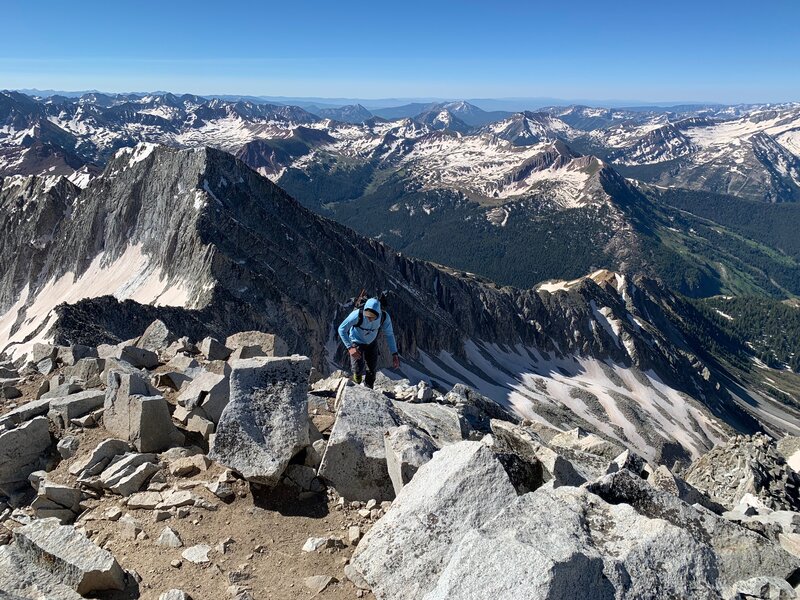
(596, 551)
(747, 465)
(740, 554)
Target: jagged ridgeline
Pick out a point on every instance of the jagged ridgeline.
(198, 239)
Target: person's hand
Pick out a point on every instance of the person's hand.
(395, 361)
(354, 353)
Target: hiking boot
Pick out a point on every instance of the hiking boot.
(357, 379)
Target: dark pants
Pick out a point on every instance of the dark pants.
(369, 359)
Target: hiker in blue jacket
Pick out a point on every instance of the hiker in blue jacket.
(359, 333)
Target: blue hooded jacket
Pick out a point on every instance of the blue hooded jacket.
(368, 330)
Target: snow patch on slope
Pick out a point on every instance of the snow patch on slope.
(635, 409)
(130, 276)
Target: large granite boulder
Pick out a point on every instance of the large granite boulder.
(266, 421)
(567, 544)
(460, 489)
(354, 462)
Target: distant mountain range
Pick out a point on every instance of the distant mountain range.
(522, 197)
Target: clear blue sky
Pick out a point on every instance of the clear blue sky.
(730, 51)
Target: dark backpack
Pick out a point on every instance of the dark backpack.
(362, 298)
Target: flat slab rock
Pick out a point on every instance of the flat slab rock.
(197, 554)
(266, 421)
(61, 550)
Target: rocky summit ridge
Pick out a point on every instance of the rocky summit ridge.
(199, 240)
(157, 468)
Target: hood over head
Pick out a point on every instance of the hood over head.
(373, 304)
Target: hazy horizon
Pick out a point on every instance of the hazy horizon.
(624, 52)
(385, 102)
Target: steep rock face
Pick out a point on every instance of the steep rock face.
(199, 240)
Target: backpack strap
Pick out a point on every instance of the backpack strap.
(361, 318)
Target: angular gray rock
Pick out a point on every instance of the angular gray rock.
(59, 501)
(185, 364)
(142, 420)
(213, 349)
(169, 538)
(354, 462)
(138, 358)
(475, 411)
(26, 412)
(22, 579)
(42, 351)
(460, 489)
(145, 500)
(99, 458)
(63, 551)
(174, 595)
(9, 392)
(128, 473)
(265, 423)
(70, 355)
(439, 421)
(663, 479)
(741, 554)
(22, 451)
(567, 544)
(197, 554)
(64, 409)
(768, 588)
(87, 370)
(156, 338)
(589, 453)
(250, 344)
(526, 444)
(209, 391)
(304, 477)
(59, 390)
(407, 449)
